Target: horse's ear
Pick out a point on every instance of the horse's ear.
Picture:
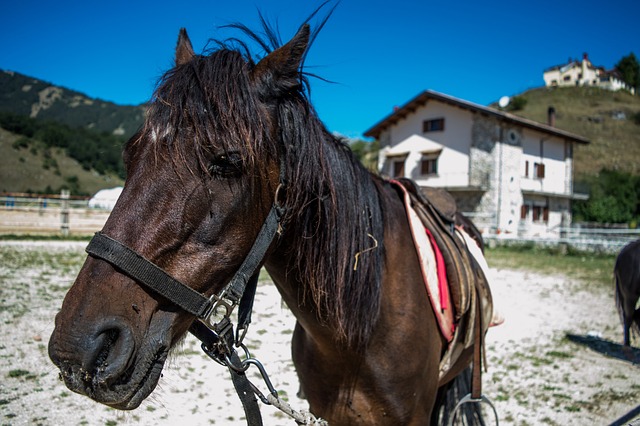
(278, 72)
(184, 49)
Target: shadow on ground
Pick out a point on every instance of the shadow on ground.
(618, 351)
(608, 348)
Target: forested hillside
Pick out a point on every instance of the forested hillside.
(34, 98)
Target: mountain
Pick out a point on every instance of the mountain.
(610, 120)
(31, 163)
(35, 169)
(35, 98)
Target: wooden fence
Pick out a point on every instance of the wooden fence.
(22, 214)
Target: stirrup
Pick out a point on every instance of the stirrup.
(468, 398)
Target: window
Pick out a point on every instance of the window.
(526, 168)
(568, 150)
(538, 170)
(434, 125)
(429, 166)
(539, 213)
(536, 213)
(397, 168)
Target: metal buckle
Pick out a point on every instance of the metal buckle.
(219, 310)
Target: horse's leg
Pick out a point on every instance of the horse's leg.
(296, 353)
(631, 318)
(621, 304)
(626, 328)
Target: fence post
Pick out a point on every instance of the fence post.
(64, 212)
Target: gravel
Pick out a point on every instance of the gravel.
(556, 360)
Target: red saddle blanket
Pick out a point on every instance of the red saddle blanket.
(433, 268)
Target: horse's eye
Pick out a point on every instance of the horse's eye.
(228, 165)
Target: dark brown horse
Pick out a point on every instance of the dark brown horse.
(223, 138)
(627, 276)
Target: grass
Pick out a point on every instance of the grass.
(49, 272)
(591, 268)
(20, 373)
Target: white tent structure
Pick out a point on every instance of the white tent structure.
(105, 198)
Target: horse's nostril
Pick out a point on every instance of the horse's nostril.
(109, 338)
(108, 353)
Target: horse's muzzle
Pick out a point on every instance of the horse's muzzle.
(105, 366)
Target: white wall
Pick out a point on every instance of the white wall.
(553, 151)
(407, 137)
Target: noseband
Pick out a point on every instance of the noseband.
(213, 327)
(205, 309)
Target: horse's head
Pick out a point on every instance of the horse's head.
(202, 174)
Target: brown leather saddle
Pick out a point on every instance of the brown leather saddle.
(468, 286)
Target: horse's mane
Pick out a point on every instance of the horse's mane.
(333, 208)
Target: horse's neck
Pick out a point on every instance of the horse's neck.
(280, 267)
(281, 263)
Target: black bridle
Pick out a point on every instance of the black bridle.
(213, 325)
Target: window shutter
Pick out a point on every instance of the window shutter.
(540, 170)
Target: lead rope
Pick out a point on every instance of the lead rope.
(301, 417)
(217, 348)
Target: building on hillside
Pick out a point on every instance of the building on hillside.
(584, 73)
(511, 175)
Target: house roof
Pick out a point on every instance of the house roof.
(428, 95)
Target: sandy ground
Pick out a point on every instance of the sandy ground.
(556, 359)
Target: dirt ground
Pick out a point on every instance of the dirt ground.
(556, 360)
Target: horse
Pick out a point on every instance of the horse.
(627, 279)
(230, 143)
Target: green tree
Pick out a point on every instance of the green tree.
(367, 152)
(19, 124)
(517, 103)
(614, 198)
(630, 70)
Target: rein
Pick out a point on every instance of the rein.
(213, 326)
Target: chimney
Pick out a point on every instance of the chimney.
(551, 116)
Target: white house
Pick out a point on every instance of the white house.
(510, 174)
(584, 73)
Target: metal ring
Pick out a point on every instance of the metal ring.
(468, 398)
(278, 197)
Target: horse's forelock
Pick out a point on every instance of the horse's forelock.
(207, 105)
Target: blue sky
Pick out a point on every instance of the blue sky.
(380, 53)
